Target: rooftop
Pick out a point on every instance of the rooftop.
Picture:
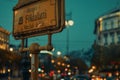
(106, 15)
(4, 31)
(22, 3)
(114, 10)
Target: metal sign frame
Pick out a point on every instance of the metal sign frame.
(28, 23)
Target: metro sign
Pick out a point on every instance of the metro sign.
(38, 17)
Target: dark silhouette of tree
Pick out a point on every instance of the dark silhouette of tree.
(75, 59)
(9, 57)
(103, 56)
(77, 62)
(114, 54)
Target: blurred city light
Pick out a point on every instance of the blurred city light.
(11, 49)
(59, 53)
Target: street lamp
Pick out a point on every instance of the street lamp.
(59, 53)
(69, 22)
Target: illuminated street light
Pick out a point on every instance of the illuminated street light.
(30, 55)
(63, 64)
(69, 22)
(8, 70)
(69, 73)
(93, 67)
(30, 70)
(66, 69)
(59, 53)
(52, 61)
(68, 65)
(42, 71)
(39, 69)
(117, 73)
(11, 49)
(9, 74)
(58, 63)
(58, 71)
(90, 71)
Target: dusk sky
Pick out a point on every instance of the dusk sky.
(84, 13)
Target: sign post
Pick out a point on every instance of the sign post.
(34, 50)
(36, 18)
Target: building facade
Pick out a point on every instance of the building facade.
(107, 28)
(4, 39)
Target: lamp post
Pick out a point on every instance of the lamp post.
(69, 22)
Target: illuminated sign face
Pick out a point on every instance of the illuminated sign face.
(38, 18)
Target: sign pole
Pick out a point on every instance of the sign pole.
(34, 50)
(34, 67)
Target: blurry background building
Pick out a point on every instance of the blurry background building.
(107, 43)
(9, 57)
(107, 28)
(4, 39)
(4, 46)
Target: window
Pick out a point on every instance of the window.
(99, 37)
(105, 37)
(105, 26)
(112, 24)
(112, 38)
(119, 23)
(118, 38)
(105, 41)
